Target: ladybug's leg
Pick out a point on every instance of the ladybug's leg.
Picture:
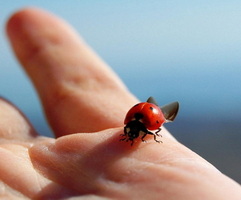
(125, 134)
(142, 138)
(158, 130)
(156, 139)
(125, 139)
(156, 134)
(122, 139)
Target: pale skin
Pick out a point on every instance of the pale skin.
(85, 103)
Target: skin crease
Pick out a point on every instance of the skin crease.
(85, 103)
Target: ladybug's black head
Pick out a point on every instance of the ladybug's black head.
(134, 128)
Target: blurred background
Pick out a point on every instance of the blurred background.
(173, 50)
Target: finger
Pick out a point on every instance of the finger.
(13, 125)
(79, 91)
(99, 164)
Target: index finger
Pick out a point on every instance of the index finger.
(79, 92)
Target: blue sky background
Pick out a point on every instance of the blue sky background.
(173, 50)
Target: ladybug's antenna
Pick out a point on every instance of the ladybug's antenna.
(170, 111)
(152, 100)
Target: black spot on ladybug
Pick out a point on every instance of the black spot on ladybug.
(151, 108)
(138, 116)
(157, 122)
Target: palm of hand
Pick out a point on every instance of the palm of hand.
(74, 86)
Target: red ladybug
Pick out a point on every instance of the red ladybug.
(145, 117)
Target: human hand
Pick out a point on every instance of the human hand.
(86, 103)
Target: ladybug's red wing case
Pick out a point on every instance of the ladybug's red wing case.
(148, 113)
(153, 117)
(131, 114)
(169, 110)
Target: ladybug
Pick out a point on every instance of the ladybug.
(145, 118)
